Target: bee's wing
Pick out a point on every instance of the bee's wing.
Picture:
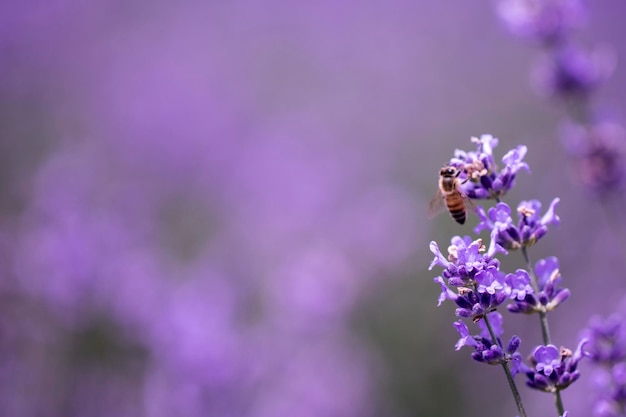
(469, 204)
(436, 204)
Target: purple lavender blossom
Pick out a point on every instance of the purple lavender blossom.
(475, 302)
(569, 71)
(465, 259)
(529, 229)
(599, 155)
(553, 369)
(607, 352)
(549, 295)
(546, 21)
(485, 349)
(610, 391)
(519, 282)
(481, 178)
(607, 339)
(466, 339)
(481, 286)
(488, 292)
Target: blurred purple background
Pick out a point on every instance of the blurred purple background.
(219, 208)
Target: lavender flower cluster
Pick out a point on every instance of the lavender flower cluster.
(607, 353)
(572, 76)
(472, 278)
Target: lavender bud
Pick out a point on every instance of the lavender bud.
(513, 345)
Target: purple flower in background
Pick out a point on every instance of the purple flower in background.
(116, 244)
(573, 75)
(599, 155)
(528, 230)
(607, 339)
(546, 21)
(607, 352)
(184, 262)
(481, 178)
(549, 295)
(610, 391)
(569, 71)
(553, 369)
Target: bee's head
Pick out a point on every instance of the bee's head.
(449, 171)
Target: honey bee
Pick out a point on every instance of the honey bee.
(449, 190)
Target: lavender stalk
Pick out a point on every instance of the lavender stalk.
(507, 372)
(473, 280)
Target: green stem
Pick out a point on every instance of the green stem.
(559, 403)
(507, 372)
(543, 320)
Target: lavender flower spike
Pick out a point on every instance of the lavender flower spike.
(554, 369)
(479, 298)
(487, 350)
(607, 352)
(569, 72)
(550, 295)
(481, 286)
(607, 339)
(481, 178)
(599, 154)
(465, 259)
(529, 229)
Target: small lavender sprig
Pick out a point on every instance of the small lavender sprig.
(553, 369)
(481, 288)
(529, 229)
(546, 295)
(526, 232)
(481, 178)
(472, 278)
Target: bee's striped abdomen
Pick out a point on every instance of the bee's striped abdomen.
(456, 207)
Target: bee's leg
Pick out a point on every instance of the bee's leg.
(467, 177)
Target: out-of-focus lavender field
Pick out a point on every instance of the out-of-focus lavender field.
(220, 208)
